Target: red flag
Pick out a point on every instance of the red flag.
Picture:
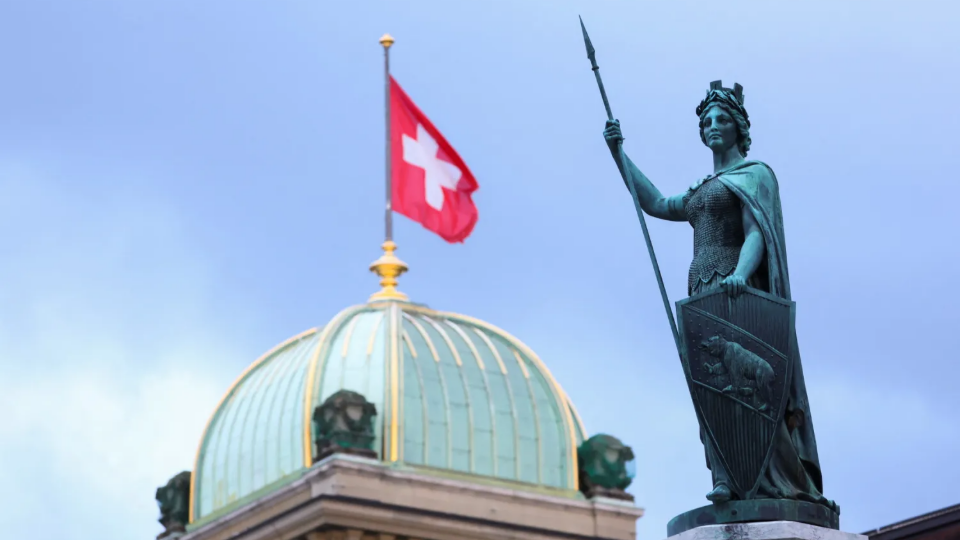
(431, 184)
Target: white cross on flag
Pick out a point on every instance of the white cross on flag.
(430, 183)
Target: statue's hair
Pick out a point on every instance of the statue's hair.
(731, 101)
(743, 126)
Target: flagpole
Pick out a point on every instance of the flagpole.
(386, 41)
(388, 266)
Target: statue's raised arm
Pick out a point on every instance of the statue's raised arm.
(651, 200)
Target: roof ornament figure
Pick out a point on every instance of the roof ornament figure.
(344, 424)
(174, 502)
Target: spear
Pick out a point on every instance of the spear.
(625, 173)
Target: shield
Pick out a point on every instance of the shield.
(737, 355)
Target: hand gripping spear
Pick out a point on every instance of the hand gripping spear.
(625, 173)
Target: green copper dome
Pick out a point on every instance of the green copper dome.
(454, 395)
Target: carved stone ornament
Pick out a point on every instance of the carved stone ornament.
(174, 502)
(344, 424)
(603, 462)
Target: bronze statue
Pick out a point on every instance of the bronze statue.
(737, 339)
(738, 242)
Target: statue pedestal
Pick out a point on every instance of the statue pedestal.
(755, 511)
(765, 530)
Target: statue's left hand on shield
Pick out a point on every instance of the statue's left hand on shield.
(734, 284)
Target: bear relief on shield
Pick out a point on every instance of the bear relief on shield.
(739, 372)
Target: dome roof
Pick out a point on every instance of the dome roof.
(454, 395)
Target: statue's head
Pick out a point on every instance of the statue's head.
(724, 123)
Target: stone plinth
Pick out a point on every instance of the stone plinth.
(755, 511)
(766, 530)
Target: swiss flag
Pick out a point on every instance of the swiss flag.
(431, 184)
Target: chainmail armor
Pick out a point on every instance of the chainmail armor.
(715, 213)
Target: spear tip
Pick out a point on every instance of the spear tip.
(586, 39)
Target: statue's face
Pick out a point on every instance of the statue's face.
(719, 130)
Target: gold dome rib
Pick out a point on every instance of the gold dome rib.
(426, 338)
(405, 337)
(536, 412)
(446, 339)
(510, 397)
(274, 435)
(268, 376)
(216, 411)
(576, 416)
(493, 350)
(346, 339)
(373, 332)
(394, 382)
(473, 350)
(486, 388)
(443, 387)
(323, 344)
(463, 381)
(523, 368)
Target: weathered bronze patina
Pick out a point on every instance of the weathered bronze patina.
(174, 502)
(755, 510)
(736, 337)
(603, 462)
(344, 424)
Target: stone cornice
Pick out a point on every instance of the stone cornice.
(350, 492)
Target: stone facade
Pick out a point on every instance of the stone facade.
(349, 498)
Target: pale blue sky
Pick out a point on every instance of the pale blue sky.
(184, 184)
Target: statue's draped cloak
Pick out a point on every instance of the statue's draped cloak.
(756, 185)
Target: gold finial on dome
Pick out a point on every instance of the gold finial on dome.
(389, 268)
